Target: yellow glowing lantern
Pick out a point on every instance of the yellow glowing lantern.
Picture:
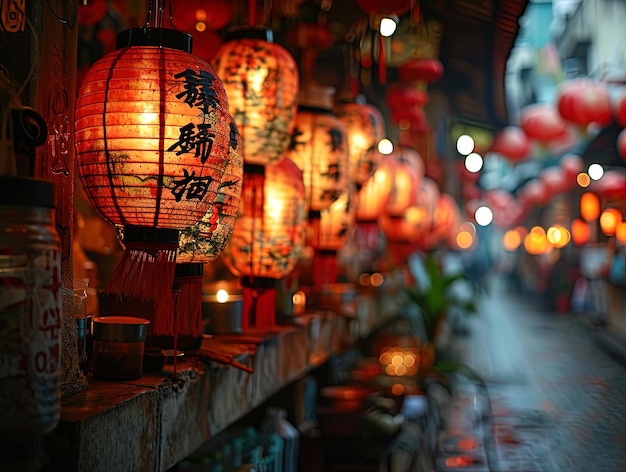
(580, 232)
(466, 236)
(327, 235)
(365, 127)
(319, 147)
(589, 206)
(609, 219)
(536, 241)
(261, 80)
(511, 240)
(267, 238)
(152, 134)
(407, 175)
(558, 236)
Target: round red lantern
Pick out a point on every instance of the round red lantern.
(584, 101)
(589, 206)
(261, 80)
(572, 165)
(542, 122)
(512, 143)
(534, 192)
(389, 7)
(556, 181)
(611, 186)
(268, 237)
(421, 70)
(580, 232)
(364, 126)
(401, 96)
(319, 147)
(620, 109)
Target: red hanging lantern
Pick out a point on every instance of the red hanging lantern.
(421, 70)
(364, 127)
(512, 143)
(611, 186)
(401, 96)
(389, 7)
(407, 175)
(556, 181)
(620, 109)
(584, 101)
(152, 133)
(268, 237)
(319, 147)
(572, 165)
(534, 192)
(261, 80)
(542, 122)
(589, 206)
(201, 15)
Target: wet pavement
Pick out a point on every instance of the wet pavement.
(556, 392)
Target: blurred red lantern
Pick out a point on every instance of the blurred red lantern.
(556, 180)
(584, 101)
(411, 121)
(310, 36)
(572, 165)
(389, 7)
(319, 147)
(261, 80)
(200, 15)
(620, 109)
(542, 122)
(407, 173)
(611, 186)
(268, 237)
(401, 96)
(421, 70)
(92, 13)
(365, 127)
(609, 220)
(580, 232)
(512, 143)
(534, 192)
(152, 146)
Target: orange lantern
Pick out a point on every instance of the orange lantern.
(580, 232)
(261, 80)
(327, 235)
(319, 147)
(589, 206)
(152, 133)
(267, 238)
(204, 241)
(609, 219)
(620, 232)
(365, 127)
(407, 174)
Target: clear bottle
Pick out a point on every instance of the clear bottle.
(275, 421)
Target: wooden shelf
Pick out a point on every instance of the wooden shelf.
(152, 423)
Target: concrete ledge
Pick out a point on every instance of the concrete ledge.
(154, 422)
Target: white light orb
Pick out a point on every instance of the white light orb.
(483, 215)
(473, 162)
(595, 171)
(464, 144)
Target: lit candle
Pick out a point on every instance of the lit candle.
(221, 309)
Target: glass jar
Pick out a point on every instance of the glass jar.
(30, 309)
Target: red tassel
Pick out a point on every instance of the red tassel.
(382, 67)
(259, 308)
(189, 320)
(325, 269)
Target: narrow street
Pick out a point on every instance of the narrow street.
(558, 399)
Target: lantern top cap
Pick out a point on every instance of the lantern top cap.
(159, 37)
(250, 32)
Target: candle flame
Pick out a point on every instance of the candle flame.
(222, 296)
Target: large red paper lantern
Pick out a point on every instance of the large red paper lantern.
(319, 147)
(364, 126)
(611, 186)
(261, 80)
(152, 134)
(542, 122)
(421, 70)
(268, 237)
(512, 143)
(584, 101)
